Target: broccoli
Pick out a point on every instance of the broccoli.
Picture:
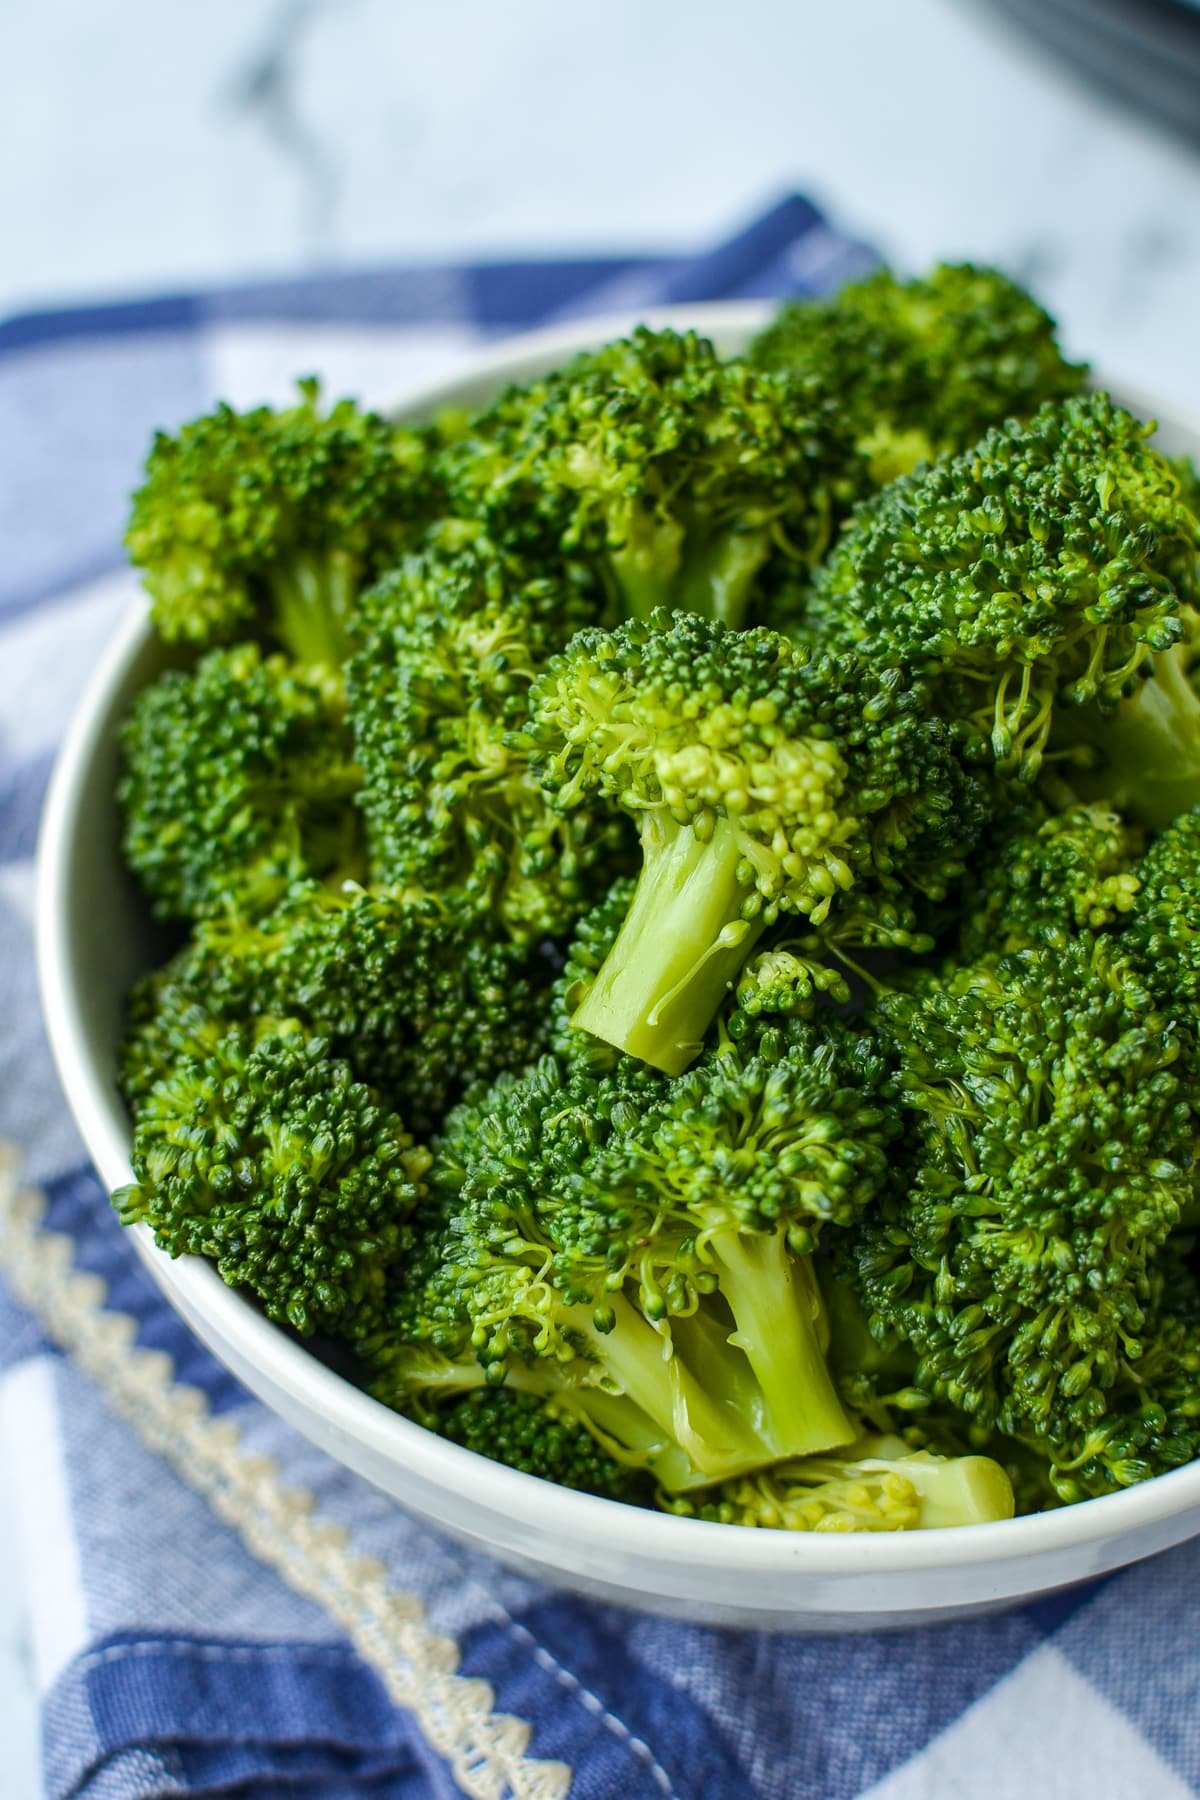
(273, 521)
(1028, 581)
(420, 1001)
(448, 646)
(762, 782)
(637, 1250)
(1044, 876)
(259, 1150)
(237, 779)
(1051, 1159)
(1150, 1421)
(1162, 934)
(533, 1435)
(674, 475)
(922, 367)
(875, 1484)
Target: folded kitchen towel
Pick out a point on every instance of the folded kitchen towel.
(218, 1608)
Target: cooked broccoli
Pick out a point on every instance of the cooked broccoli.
(1044, 876)
(238, 778)
(1054, 1155)
(922, 367)
(1162, 936)
(674, 474)
(761, 783)
(260, 1151)
(533, 1435)
(1036, 573)
(876, 1483)
(449, 644)
(638, 1250)
(274, 520)
(419, 1000)
(1150, 1421)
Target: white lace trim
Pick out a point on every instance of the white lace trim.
(278, 1523)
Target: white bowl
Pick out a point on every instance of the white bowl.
(94, 935)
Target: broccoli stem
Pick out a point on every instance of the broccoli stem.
(680, 949)
(717, 579)
(314, 600)
(732, 1401)
(1152, 743)
(661, 564)
(646, 561)
(781, 1328)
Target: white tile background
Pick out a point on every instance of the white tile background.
(147, 146)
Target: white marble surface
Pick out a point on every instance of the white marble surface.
(148, 146)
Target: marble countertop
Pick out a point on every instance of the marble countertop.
(259, 137)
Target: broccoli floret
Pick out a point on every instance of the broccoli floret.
(1027, 581)
(1045, 876)
(875, 1484)
(536, 1437)
(922, 367)
(1052, 1158)
(637, 1250)
(273, 520)
(675, 475)
(419, 1000)
(261, 1152)
(1162, 936)
(1150, 1421)
(238, 778)
(761, 783)
(448, 646)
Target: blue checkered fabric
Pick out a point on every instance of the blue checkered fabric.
(170, 1658)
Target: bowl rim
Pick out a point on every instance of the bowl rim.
(607, 1526)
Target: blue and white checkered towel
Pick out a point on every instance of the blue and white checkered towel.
(220, 1609)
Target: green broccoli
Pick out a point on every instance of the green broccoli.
(638, 1250)
(1162, 934)
(419, 1000)
(533, 1435)
(876, 1483)
(762, 782)
(260, 1151)
(1028, 582)
(1150, 1421)
(238, 778)
(1044, 876)
(1052, 1157)
(922, 367)
(274, 520)
(448, 646)
(675, 475)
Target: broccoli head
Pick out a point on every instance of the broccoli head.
(448, 647)
(273, 520)
(238, 779)
(535, 1436)
(1051, 1158)
(421, 1001)
(637, 1250)
(1045, 876)
(1162, 936)
(260, 1151)
(762, 783)
(1028, 581)
(922, 367)
(677, 476)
